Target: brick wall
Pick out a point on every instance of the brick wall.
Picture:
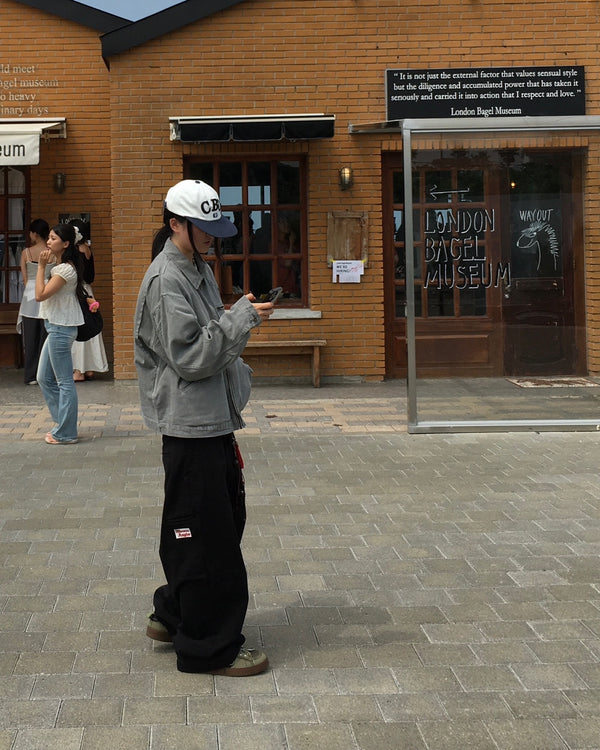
(298, 56)
(69, 53)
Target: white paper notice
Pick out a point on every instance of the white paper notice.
(348, 271)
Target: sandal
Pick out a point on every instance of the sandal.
(51, 440)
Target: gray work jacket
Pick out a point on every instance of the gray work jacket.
(192, 380)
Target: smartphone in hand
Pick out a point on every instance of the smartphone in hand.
(272, 296)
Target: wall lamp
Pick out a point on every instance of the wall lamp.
(346, 176)
(59, 182)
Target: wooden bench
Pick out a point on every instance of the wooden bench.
(303, 346)
(8, 327)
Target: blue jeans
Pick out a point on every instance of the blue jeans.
(55, 378)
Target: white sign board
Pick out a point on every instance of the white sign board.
(19, 149)
(348, 271)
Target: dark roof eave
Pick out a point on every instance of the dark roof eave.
(164, 22)
(82, 14)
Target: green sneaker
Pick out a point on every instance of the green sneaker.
(156, 630)
(248, 662)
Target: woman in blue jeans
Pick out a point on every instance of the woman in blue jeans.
(62, 314)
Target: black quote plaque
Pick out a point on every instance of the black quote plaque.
(485, 92)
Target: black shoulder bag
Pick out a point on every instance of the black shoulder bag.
(92, 321)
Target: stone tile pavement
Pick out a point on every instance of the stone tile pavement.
(433, 592)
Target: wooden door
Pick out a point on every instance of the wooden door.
(458, 265)
(539, 311)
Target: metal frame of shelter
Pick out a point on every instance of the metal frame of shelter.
(407, 128)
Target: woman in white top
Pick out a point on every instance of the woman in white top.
(62, 313)
(29, 322)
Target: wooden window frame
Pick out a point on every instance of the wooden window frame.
(197, 167)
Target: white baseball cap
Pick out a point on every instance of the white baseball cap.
(199, 203)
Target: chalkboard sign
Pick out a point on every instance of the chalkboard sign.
(485, 92)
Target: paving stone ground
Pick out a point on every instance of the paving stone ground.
(425, 592)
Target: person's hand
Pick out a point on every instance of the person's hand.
(264, 309)
(44, 259)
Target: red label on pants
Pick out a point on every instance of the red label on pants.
(239, 456)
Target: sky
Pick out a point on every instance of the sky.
(132, 10)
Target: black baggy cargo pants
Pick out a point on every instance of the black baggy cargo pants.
(204, 602)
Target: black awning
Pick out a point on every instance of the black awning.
(252, 128)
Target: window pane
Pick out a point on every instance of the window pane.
(398, 187)
(234, 245)
(259, 183)
(400, 262)
(416, 225)
(440, 302)
(400, 302)
(202, 171)
(471, 185)
(418, 301)
(230, 183)
(438, 186)
(237, 276)
(16, 181)
(288, 232)
(288, 245)
(16, 213)
(399, 225)
(262, 239)
(288, 182)
(16, 286)
(261, 276)
(417, 261)
(472, 301)
(416, 187)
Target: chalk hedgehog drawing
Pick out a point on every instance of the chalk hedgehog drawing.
(534, 235)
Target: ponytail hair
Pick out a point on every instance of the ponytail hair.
(165, 232)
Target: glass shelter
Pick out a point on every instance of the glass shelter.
(486, 291)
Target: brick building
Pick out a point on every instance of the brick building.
(270, 100)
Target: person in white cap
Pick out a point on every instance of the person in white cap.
(193, 387)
